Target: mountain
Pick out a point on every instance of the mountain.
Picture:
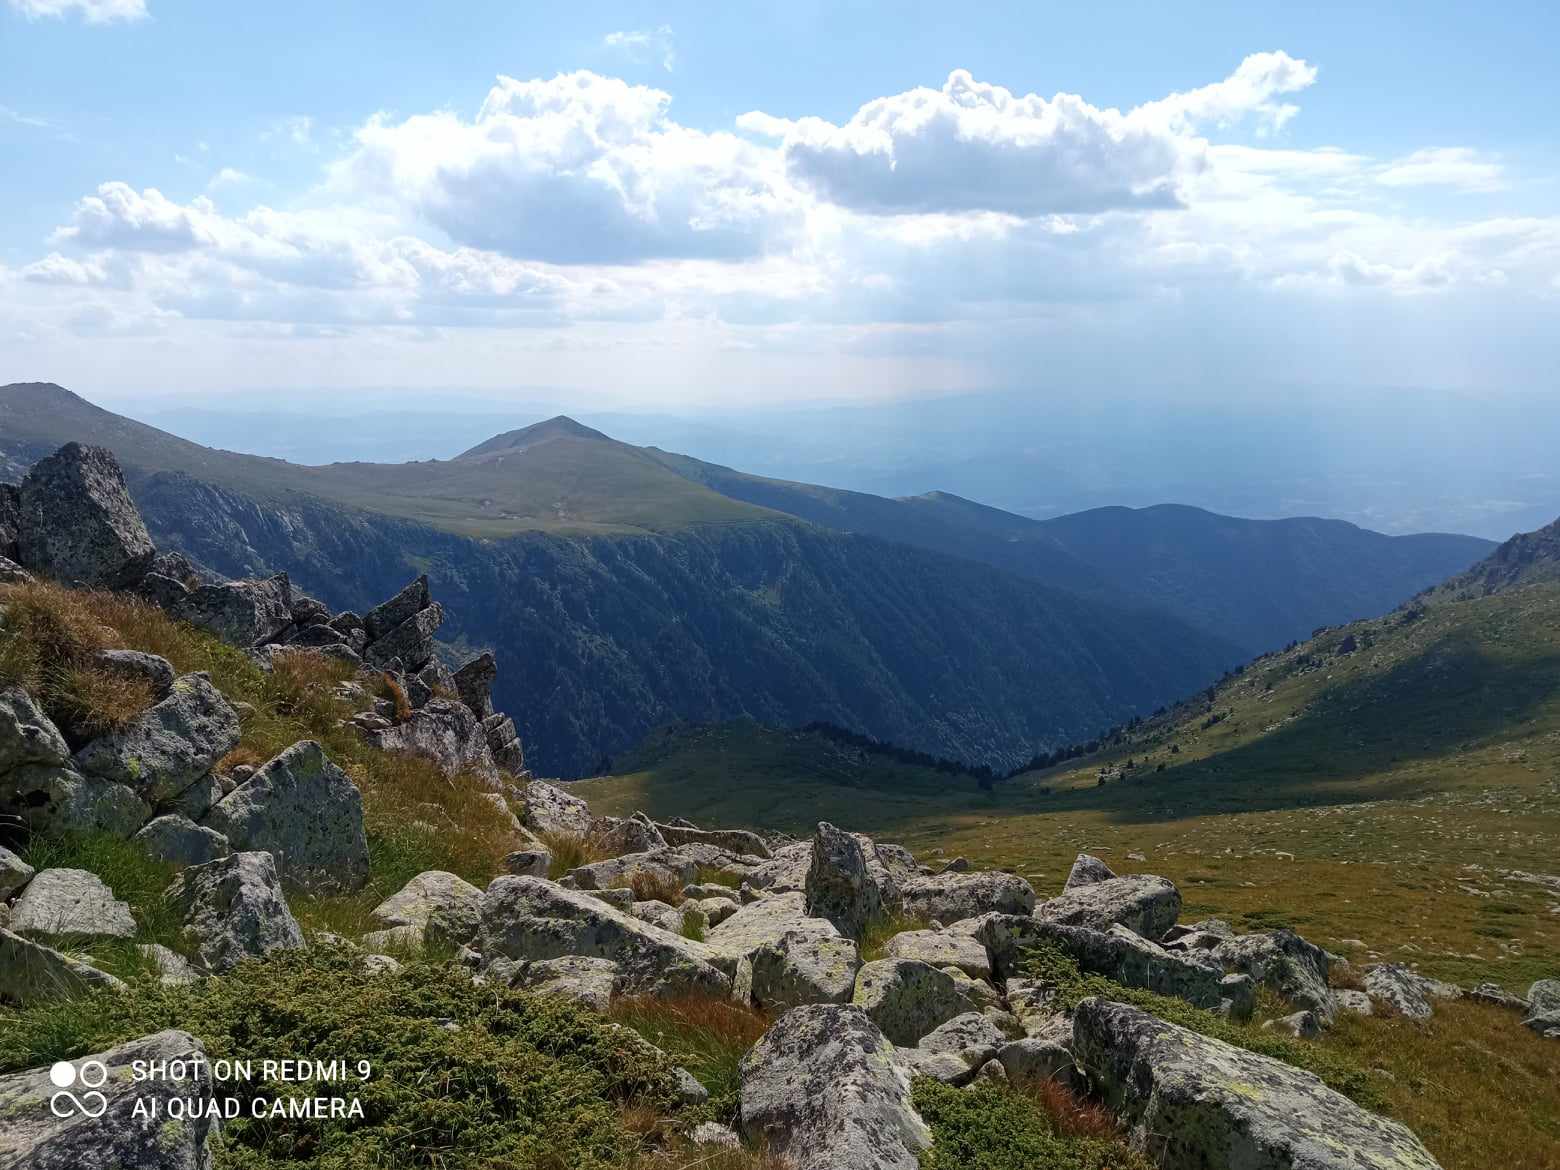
(1526, 559)
(1257, 583)
(621, 595)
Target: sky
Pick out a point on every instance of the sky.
(675, 206)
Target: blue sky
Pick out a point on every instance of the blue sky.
(651, 205)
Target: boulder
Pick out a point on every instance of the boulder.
(178, 839)
(304, 810)
(76, 523)
(173, 970)
(955, 1051)
(71, 903)
(1286, 963)
(133, 664)
(616, 872)
(27, 735)
(801, 967)
(233, 909)
(758, 923)
(14, 874)
(1194, 1101)
(474, 683)
(196, 800)
(658, 913)
(839, 886)
(46, 798)
(504, 743)
(1355, 1002)
(444, 731)
(585, 980)
(528, 862)
(1087, 870)
(1406, 992)
(1039, 1058)
(1133, 961)
(240, 613)
(907, 998)
(952, 897)
(546, 808)
(615, 836)
(31, 973)
(167, 747)
(410, 643)
(1144, 904)
(941, 948)
(785, 871)
(387, 615)
(110, 1132)
(1302, 1025)
(1033, 1003)
(439, 906)
(822, 1090)
(738, 841)
(1543, 1015)
(715, 910)
(529, 918)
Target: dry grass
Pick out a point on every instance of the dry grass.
(877, 933)
(681, 1154)
(397, 695)
(569, 851)
(1072, 1115)
(93, 702)
(652, 887)
(706, 1035)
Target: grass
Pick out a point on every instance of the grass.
(653, 887)
(569, 851)
(714, 875)
(995, 1127)
(705, 1035)
(875, 936)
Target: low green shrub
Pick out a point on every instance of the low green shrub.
(994, 1127)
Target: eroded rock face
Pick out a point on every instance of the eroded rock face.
(952, 897)
(240, 613)
(168, 747)
(1195, 1101)
(31, 972)
(76, 523)
(546, 808)
(1133, 961)
(305, 811)
(1144, 904)
(387, 615)
(439, 906)
(474, 683)
(907, 998)
(800, 967)
(71, 903)
(34, 1138)
(839, 886)
(823, 1091)
(1285, 962)
(234, 909)
(529, 918)
(1087, 870)
(941, 948)
(444, 731)
(785, 871)
(410, 643)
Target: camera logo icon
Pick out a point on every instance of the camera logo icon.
(91, 1076)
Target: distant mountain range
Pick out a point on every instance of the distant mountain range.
(626, 587)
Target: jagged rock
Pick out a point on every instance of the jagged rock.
(615, 836)
(411, 642)
(941, 948)
(304, 810)
(1484, 992)
(504, 743)
(528, 918)
(952, 897)
(12, 573)
(27, 735)
(317, 638)
(168, 747)
(172, 968)
(689, 1090)
(764, 922)
(1407, 992)
(1203, 935)
(196, 800)
(1239, 992)
(14, 873)
(822, 1091)
(240, 613)
(738, 841)
(234, 909)
(31, 972)
(1282, 960)
(907, 998)
(658, 913)
(443, 731)
(801, 967)
(439, 906)
(715, 910)
(528, 862)
(76, 523)
(133, 664)
(1144, 904)
(1038, 1058)
(1543, 1016)
(71, 902)
(387, 615)
(46, 798)
(661, 866)
(1087, 870)
(1133, 961)
(785, 871)
(10, 522)
(35, 1137)
(180, 840)
(838, 885)
(955, 1051)
(1195, 1101)
(1302, 1025)
(161, 590)
(474, 683)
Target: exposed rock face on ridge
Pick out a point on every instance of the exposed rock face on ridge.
(76, 522)
(1195, 1101)
(1144, 904)
(841, 885)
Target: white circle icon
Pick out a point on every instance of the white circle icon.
(63, 1075)
(93, 1074)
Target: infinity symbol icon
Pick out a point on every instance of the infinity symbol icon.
(92, 1075)
(94, 1104)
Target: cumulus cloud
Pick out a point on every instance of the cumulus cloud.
(229, 177)
(118, 216)
(1458, 167)
(91, 11)
(1248, 92)
(645, 44)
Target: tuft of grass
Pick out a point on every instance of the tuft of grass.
(995, 1127)
(396, 693)
(651, 887)
(705, 1035)
(878, 931)
(1052, 966)
(715, 875)
(93, 702)
(569, 851)
(694, 925)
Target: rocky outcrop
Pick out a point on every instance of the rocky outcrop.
(941, 948)
(822, 1090)
(71, 903)
(1406, 992)
(174, 837)
(764, 921)
(1286, 963)
(955, 1051)
(546, 808)
(951, 897)
(800, 968)
(444, 731)
(1144, 904)
(305, 811)
(1087, 870)
(1194, 1101)
(76, 523)
(168, 747)
(907, 998)
(841, 886)
(240, 613)
(440, 907)
(1543, 1015)
(576, 977)
(738, 841)
(112, 1131)
(473, 682)
(410, 644)
(615, 836)
(234, 909)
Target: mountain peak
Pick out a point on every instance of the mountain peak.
(559, 427)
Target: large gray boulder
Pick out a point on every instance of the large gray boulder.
(1543, 1014)
(167, 747)
(438, 906)
(1134, 961)
(474, 683)
(1144, 904)
(178, 839)
(738, 841)
(444, 731)
(822, 1090)
(27, 735)
(387, 615)
(615, 836)
(1286, 963)
(45, 798)
(32, 973)
(907, 998)
(801, 967)
(234, 909)
(955, 1051)
(1406, 991)
(1087, 870)
(584, 980)
(14, 873)
(530, 918)
(410, 643)
(840, 886)
(941, 948)
(240, 613)
(951, 897)
(763, 922)
(111, 1131)
(1192, 1101)
(307, 812)
(785, 871)
(77, 523)
(71, 903)
(661, 865)
(546, 808)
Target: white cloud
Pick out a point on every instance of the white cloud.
(297, 129)
(1249, 91)
(1457, 167)
(228, 177)
(645, 44)
(16, 118)
(91, 11)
